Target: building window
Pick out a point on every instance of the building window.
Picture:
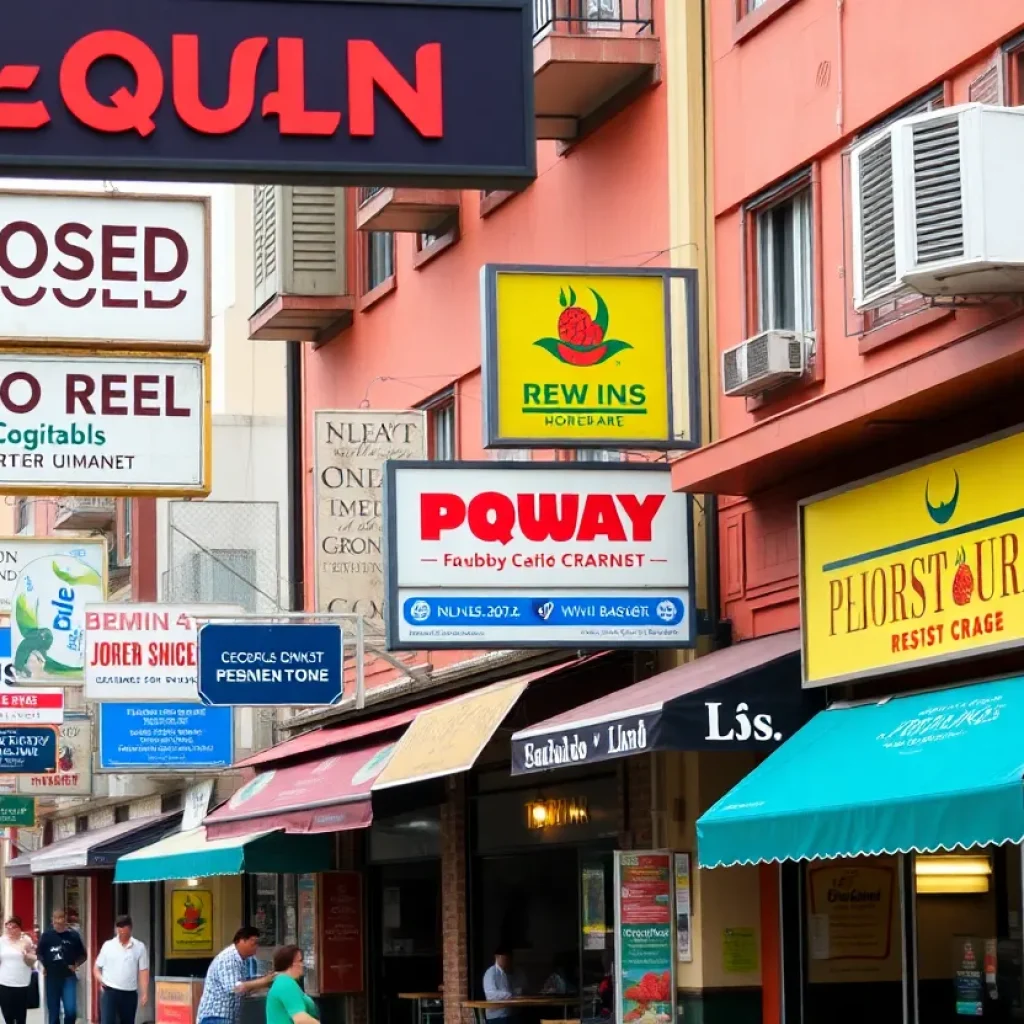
(224, 576)
(785, 264)
(81, 824)
(752, 5)
(441, 430)
(126, 531)
(121, 814)
(426, 240)
(380, 258)
(22, 515)
(170, 802)
(513, 454)
(598, 455)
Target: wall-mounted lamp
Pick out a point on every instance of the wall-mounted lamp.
(192, 882)
(542, 813)
(952, 874)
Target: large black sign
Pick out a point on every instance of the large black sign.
(376, 92)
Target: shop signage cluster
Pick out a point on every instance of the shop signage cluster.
(254, 664)
(582, 357)
(73, 776)
(645, 949)
(105, 269)
(537, 555)
(385, 92)
(170, 736)
(351, 449)
(139, 652)
(920, 565)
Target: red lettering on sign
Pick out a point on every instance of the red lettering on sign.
(289, 101)
(421, 104)
(241, 85)
(20, 78)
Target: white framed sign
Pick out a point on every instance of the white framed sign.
(143, 652)
(105, 423)
(537, 555)
(105, 269)
(31, 707)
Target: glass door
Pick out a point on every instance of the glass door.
(597, 934)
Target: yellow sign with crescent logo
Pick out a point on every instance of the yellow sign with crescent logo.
(920, 565)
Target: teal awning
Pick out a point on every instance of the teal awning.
(928, 771)
(192, 855)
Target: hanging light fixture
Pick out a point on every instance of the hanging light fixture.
(952, 874)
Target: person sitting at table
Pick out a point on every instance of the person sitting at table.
(557, 983)
(502, 981)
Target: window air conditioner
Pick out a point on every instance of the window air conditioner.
(937, 206)
(764, 362)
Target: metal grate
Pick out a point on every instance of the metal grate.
(757, 357)
(314, 229)
(795, 351)
(732, 378)
(877, 216)
(938, 191)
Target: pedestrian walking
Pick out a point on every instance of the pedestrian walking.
(231, 975)
(61, 953)
(286, 1002)
(17, 958)
(122, 972)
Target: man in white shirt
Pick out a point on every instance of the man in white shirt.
(122, 972)
(501, 981)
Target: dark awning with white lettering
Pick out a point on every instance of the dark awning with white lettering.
(745, 697)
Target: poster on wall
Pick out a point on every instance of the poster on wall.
(341, 932)
(684, 918)
(307, 938)
(351, 449)
(850, 908)
(191, 921)
(645, 954)
(73, 776)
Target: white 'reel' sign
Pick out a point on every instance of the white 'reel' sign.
(138, 652)
(104, 424)
(537, 555)
(104, 269)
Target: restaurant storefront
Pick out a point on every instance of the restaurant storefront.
(890, 826)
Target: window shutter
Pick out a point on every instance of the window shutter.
(265, 249)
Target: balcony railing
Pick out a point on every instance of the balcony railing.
(623, 17)
(84, 513)
(366, 194)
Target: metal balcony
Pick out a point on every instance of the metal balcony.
(85, 514)
(591, 58)
(406, 209)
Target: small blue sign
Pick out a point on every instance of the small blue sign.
(296, 665)
(29, 750)
(142, 737)
(531, 612)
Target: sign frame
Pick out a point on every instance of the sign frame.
(82, 720)
(101, 768)
(392, 608)
(945, 657)
(9, 802)
(80, 163)
(493, 438)
(52, 730)
(83, 490)
(45, 343)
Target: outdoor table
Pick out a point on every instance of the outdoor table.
(418, 999)
(481, 1006)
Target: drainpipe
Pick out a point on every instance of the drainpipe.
(296, 481)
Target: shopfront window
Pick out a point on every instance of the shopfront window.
(274, 902)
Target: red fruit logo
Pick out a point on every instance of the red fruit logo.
(582, 340)
(963, 580)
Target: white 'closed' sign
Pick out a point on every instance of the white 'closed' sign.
(104, 424)
(105, 269)
(140, 652)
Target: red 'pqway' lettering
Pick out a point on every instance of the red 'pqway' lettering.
(492, 517)
(127, 111)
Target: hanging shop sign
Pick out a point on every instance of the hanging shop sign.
(104, 269)
(920, 565)
(536, 555)
(45, 583)
(645, 953)
(351, 449)
(73, 776)
(105, 424)
(139, 652)
(254, 664)
(196, 804)
(17, 812)
(28, 749)
(31, 707)
(347, 92)
(173, 737)
(342, 938)
(583, 357)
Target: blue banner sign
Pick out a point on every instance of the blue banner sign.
(143, 737)
(30, 750)
(292, 664)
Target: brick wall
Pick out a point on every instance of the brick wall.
(454, 901)
(638, 803)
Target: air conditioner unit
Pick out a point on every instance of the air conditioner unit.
(937, 206)
(764, 362)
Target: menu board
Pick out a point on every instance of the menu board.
(969, 981)
(341, 932)
(645, 953)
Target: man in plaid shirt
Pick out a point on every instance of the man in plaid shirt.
(228, 980)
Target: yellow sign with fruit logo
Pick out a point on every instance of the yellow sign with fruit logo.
(919, 566)
(576, 358)
(191, 921)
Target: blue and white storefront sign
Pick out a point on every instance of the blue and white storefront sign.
(256, 664)
(145, 737)
(536, 555)
(28, 750)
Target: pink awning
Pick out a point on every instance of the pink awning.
(327, 795)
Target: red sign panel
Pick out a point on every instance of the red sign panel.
(341, 932)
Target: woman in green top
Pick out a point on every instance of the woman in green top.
(286, 1002)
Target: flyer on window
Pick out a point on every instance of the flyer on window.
(684, 919)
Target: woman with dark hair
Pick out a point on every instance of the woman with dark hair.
(286, 1002)
(17, 958)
